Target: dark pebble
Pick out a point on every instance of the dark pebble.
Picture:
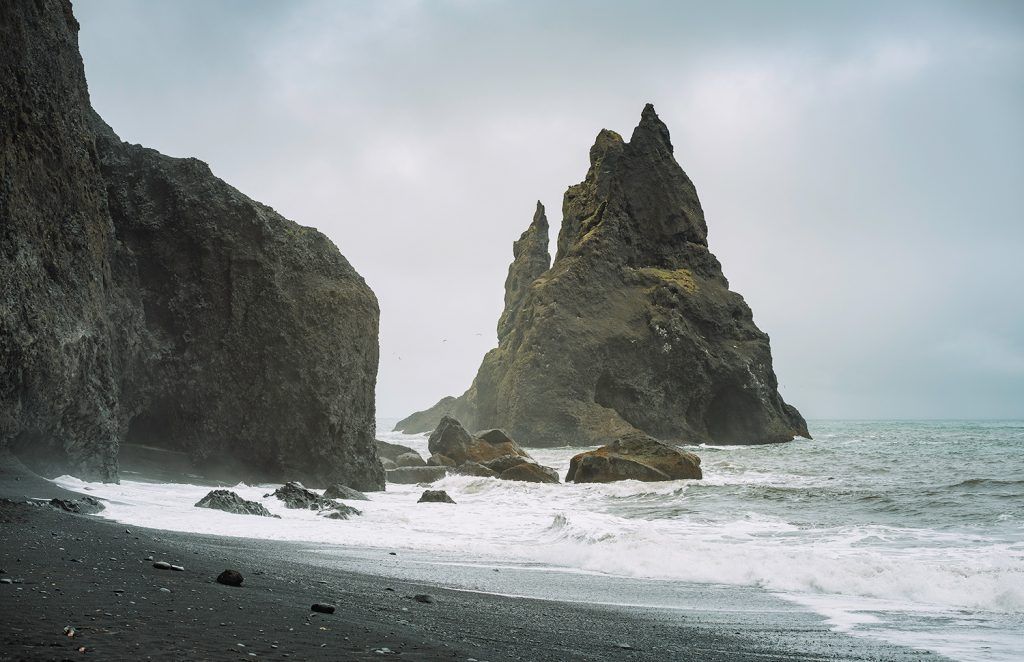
(322, 608)
(162, 565)
(423, 597)
(230, 578)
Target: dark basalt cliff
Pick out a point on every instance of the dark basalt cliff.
(633, 328)
(144, 301)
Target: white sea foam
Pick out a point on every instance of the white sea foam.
(552, 524)
(862, 576)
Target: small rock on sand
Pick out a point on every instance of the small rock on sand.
(162, 565)
(322, 608)
(230, 578)
(424, 598)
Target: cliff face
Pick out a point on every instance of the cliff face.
(147, 302)
(58, 383)
(633, 328)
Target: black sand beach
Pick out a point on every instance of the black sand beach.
(94, 576)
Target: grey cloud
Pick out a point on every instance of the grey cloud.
(859, 163)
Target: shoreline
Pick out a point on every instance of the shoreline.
(92, 574)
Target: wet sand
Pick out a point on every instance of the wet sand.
(93, 575)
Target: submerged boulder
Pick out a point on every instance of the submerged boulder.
(435, 496)
(474, 469)
(340, 511)
(530, 472)
(297, 497)
(413, 475)
(339, 491)
(632, 328)
(230, 502)
(633, 457)
(505, 462)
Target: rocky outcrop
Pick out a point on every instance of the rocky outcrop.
(230, 502)
(632, 329)
(633, 457)
(148, 302)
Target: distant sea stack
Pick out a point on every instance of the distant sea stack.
(633, 328)
(145, 302)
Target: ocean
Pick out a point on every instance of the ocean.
(911, 532)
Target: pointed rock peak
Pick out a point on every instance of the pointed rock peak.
(540, 219)
(607, 142)
(530, 260)
(648, 114)
(651, 128)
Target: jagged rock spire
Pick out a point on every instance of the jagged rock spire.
(633, 329)
(651, 130)
(530, 260)
(635, 203)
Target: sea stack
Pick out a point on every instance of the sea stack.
(145, 301)
(632, 329)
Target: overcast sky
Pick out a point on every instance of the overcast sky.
(861, 164)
